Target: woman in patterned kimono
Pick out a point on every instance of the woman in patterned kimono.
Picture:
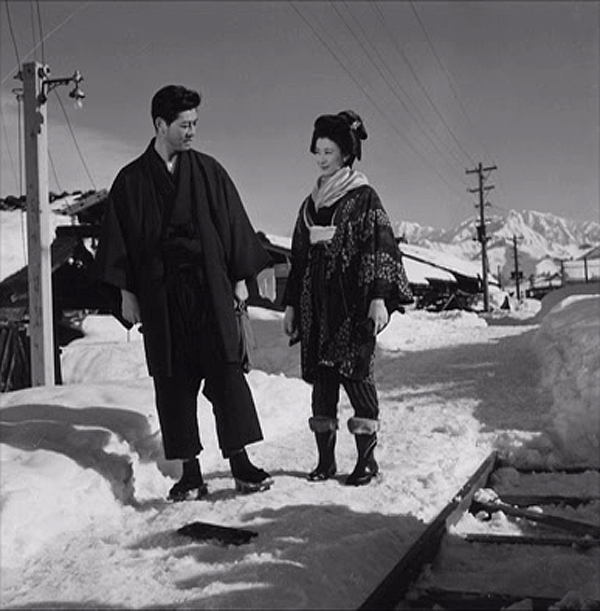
(346, 278)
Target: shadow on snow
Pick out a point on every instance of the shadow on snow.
(56, 428)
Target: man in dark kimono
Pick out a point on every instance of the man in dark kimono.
(177, 242)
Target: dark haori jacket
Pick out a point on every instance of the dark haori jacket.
(332, 283)
(201, 206)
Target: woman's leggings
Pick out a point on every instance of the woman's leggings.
(326, 395)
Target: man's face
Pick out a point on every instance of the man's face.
(179, 135)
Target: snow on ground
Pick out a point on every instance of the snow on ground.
(85, 523)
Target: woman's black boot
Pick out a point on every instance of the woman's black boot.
(365, 435)
(325, 430)
(191, 486)
(248, 478)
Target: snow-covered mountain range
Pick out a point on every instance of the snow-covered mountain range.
(543, 240)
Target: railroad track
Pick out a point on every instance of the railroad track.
(554, 552)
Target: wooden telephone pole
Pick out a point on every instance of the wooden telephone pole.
(36, 86)
(517, 273)
(481, 230)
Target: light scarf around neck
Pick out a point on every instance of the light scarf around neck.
(327, 192)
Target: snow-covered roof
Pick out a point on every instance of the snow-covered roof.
(594, 253)
(420, 273)
(443, 260)
(280, 241)
(60, 205)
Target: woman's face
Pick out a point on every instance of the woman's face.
(328, 155)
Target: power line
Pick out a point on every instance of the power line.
(421, 126)
(19, 133)
(56, 28)
(60, 189)
(383, 76)
(12, 33)
(382, 20)
(445, 70)
(451, 84)
(71, 130)
(75, 139)
(18, 179)
(367, 94)
(10, 157)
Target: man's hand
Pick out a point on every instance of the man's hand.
(130, 308)
(240, 291)
(289, 322)
(378, 314)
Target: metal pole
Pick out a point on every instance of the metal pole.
(38, 227)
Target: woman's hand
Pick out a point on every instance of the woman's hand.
(378, 314)
(240, 291)
(289, 322)
(130, 308)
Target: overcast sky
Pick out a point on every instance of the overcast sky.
(441, 87)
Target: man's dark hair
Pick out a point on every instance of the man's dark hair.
(169, 101)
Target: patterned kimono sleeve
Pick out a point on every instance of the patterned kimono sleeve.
(382, 268)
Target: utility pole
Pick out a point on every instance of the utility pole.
(481, 230)
(517, 275)
(36, 86)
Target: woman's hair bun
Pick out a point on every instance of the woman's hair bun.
(355, 122)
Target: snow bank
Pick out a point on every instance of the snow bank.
(554, 298)
(568, 343)
(107, 352)
(43, 494)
